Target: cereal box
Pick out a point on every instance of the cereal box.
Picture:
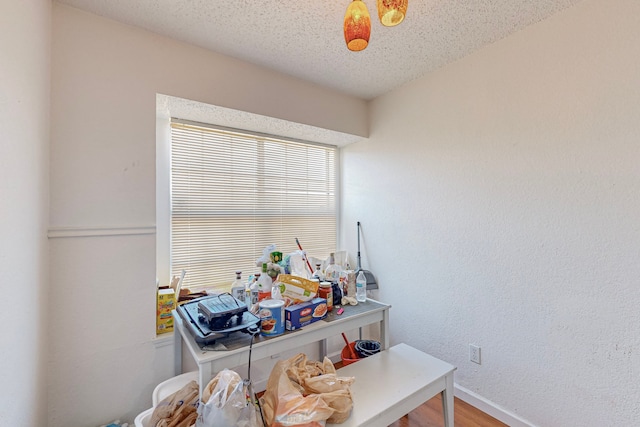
(166, 303)
(303, 314)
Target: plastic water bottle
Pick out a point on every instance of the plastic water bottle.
(361, 287)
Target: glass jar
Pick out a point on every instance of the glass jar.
(325, 291)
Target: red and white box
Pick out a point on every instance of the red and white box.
(303, 314)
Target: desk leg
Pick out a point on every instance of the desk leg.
(384, 330)
(177, 352)
(204, 376)
(323, 349)
(447, 401)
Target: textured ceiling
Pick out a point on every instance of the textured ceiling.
(304, 38)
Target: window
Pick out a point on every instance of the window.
(233, 193)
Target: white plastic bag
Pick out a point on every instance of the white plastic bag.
(226, 402)
(266, 255)
(298, 264)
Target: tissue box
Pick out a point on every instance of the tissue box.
(303, 314)
(166, 303)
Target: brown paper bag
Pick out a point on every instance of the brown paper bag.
(178, 409)
(306, 393)
(335, 391)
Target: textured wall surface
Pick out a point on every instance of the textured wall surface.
(25, 37)
(499, 203)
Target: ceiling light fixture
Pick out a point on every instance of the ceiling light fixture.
(357, 26)
(392, 12)
(357, 21)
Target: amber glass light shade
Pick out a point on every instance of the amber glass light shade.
(392, 12)
(357, 26)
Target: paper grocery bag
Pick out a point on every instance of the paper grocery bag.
(306, 393)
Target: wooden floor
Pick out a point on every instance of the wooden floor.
(429, 414)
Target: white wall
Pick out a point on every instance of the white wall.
(499, 198)
(103, 361)
(25, 36)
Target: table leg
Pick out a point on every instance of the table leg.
(204, 376)
(447, 401)
(384, 330)
(177, 352)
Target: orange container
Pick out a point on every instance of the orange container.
(347, 356)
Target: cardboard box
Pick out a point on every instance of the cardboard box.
(297, 289)
(165, 304)
(303, 314)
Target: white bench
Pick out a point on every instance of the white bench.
(394, 382)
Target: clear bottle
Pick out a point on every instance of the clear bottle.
(264, 284)
(237, 287)
(350, 290)
(253, 290)
(332, 272)
(361, 287)
(318, 273)
(342, 282)
(276, 291)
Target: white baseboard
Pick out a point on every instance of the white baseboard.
(490, 408)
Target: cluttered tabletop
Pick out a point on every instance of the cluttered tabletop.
(284, 296)
(239, 340)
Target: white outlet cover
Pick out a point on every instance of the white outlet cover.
(474, 353)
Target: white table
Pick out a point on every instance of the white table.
(210, 362)
(393, 383)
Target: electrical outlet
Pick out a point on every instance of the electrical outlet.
(474, 353)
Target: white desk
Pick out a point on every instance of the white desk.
(210, 362)
(393, 383)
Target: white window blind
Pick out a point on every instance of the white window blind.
(234, 193)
